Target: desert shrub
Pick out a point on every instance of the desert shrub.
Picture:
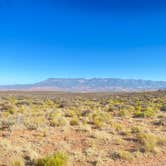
(5, 114)
(160, 122)
(123, 113)
(136, 129)
(74, 121)
(147, 142)
(145, 113)
(63, 104)
(22, 102)
(113, 108)
(138, 107)
(122, 154)
(125, 132)
(33, 123)
(161, 141)
(85, 113)
(117, 126)
(59, 121)
(11, 111)
(150, 112)
(6, 106)
(98, 122)
(6, 124)
(118, 141)
(139, 114)
(16, 161)
(12, 100)
(58, 159)
(163, 108)
(49, 102)
(100, 118)
(70, 113)
(56, 119)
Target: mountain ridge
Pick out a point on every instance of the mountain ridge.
(89, 85)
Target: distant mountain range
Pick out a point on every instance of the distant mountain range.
(89, 85)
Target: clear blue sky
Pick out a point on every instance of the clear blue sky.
(82, 38)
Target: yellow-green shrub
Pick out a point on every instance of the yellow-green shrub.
(147, 142)
(58, 159)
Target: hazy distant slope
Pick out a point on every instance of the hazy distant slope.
(94, 84)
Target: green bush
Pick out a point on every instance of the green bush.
(147, 142)
(139, 114)
(145, 113)
(163, 108)
(74, 121)
(58, 159)
(136, 129)
(150, 112)
(124, 113)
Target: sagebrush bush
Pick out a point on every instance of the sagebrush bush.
(160, 122)
(100, 118)
(147, 142)
(163, 108)
(56, 119)
(74, 121)
(136, 129)
(58, 159)
(145, 113)
(124, 113)
(122, 154)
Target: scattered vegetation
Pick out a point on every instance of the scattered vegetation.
(91, 129)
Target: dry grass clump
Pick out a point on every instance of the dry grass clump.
(136, 129)
(122, 154)
(124, 113)
(33, 123)
(117, 127)
(160, 122)
(16, 161)
(74, 121)
(56, 119)
(163, 108)
(148, 142)
(99, 119)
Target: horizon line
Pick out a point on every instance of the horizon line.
(86, 78)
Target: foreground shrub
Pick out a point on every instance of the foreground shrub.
(136, 129)
(147, 142)
(163, 108)
(146, 113)
(161, 141)
(34, 123)
(160, 122)
(100, 118)
(74, 121)
(58, 159)
(6, 124)
(139, 114)
(124, 113)
(122, 154)
(56, 119)
(16, 161)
